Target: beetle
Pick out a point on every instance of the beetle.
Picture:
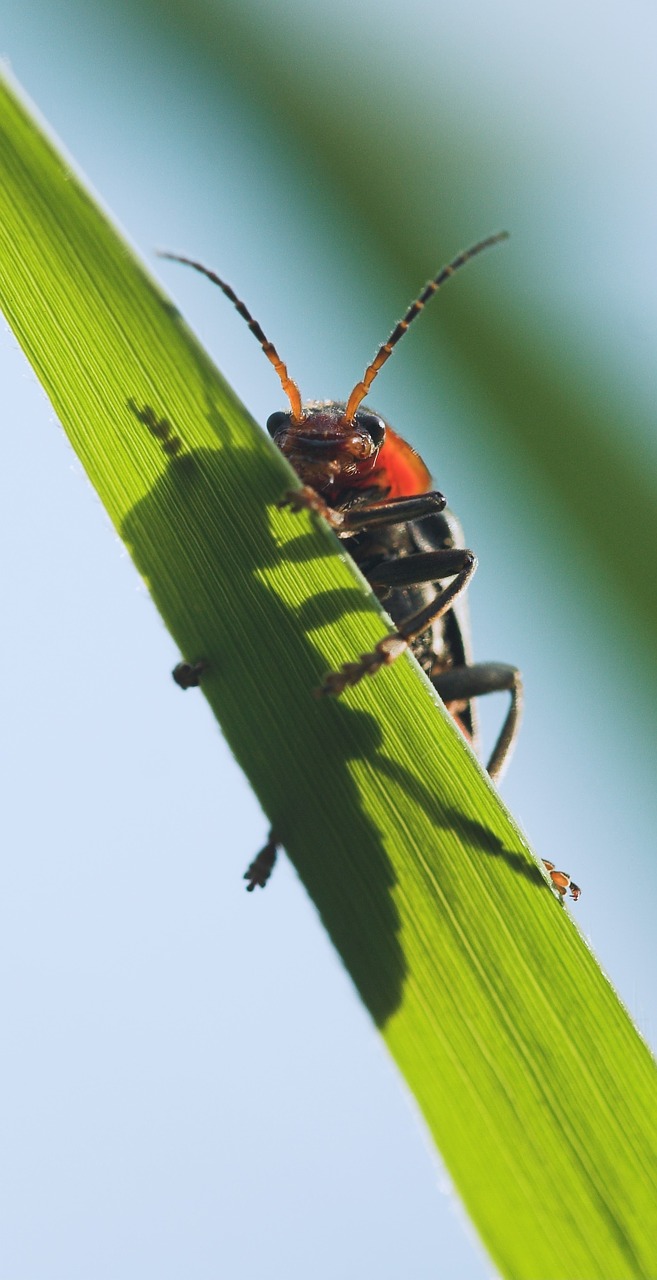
(375, 491)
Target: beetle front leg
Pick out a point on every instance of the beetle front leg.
(395, 511)
(370, 516)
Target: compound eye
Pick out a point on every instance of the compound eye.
(374, 425)
(276, 422)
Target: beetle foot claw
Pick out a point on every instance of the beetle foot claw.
(562, 882)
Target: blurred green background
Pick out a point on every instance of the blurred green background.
(190, 1085)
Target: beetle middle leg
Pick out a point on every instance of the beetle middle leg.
(423, 567)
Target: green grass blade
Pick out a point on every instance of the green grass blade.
(532, 1079)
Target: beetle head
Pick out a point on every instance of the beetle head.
(327, 452)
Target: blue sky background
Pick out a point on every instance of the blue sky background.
(190, 1085)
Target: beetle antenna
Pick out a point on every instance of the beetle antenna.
(361, 389)
(289, 386)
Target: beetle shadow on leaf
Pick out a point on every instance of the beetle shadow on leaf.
(259, 661)
(450, 819)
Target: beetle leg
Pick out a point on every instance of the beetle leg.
(433, 566)
(460, 684)
(395, 511)
(370, 516)
(463, 683)
(418, 568)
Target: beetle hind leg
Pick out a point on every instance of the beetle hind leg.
(461, 684)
